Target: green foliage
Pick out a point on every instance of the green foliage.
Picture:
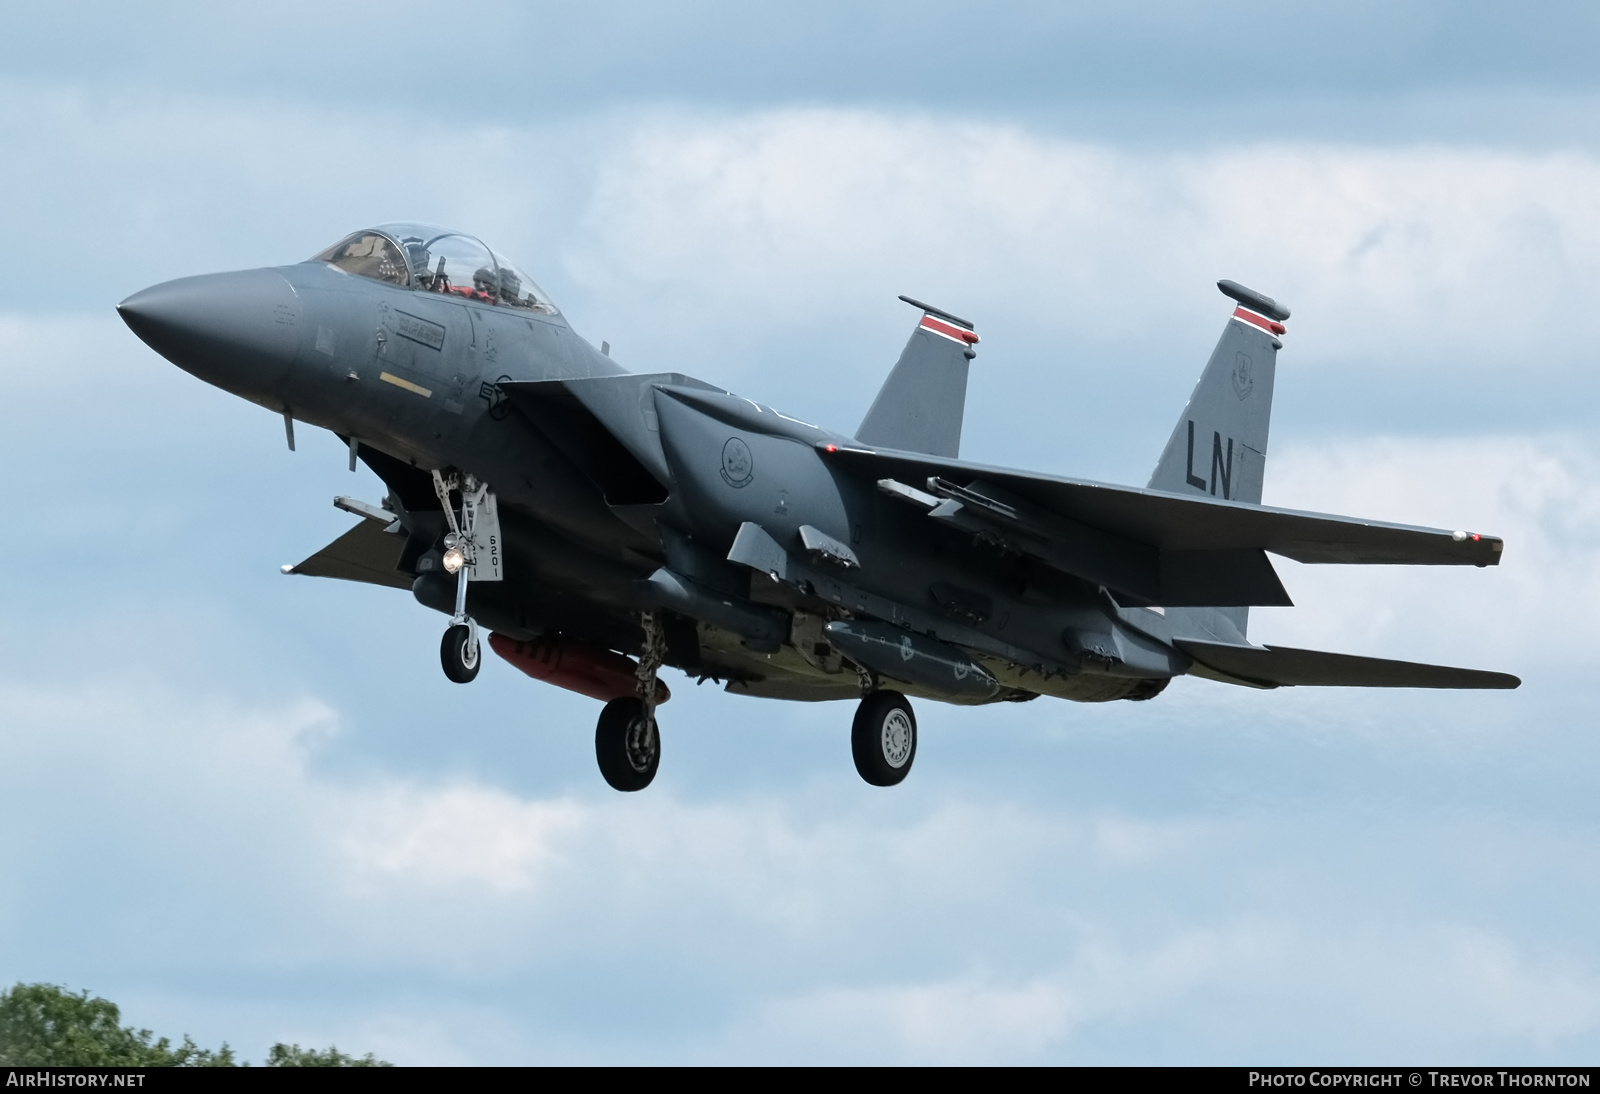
(283, 1055)
(42, 1025)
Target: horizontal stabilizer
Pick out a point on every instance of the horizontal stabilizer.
(365, 553)
(1280, 666)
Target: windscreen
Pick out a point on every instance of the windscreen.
(369, 254)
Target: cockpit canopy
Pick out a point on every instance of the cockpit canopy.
(430, 259)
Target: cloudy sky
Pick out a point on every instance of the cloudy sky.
(250, 807)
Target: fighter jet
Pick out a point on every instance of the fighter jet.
(592, 526)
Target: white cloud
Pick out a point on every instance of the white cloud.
(818, 908)
(1466, 256)
(1394, 990)
(1543, 1001)
(445, 836)
(707, 235)
(1540, 493)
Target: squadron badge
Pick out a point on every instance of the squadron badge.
(738, 466)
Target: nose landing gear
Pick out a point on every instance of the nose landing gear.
(627, 741)
(460, 653)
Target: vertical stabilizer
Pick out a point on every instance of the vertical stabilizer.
(1219, 446)
(921, 404)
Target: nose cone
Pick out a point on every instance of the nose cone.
(239, 331)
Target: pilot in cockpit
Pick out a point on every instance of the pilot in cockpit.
(424, 258)
(483, 285)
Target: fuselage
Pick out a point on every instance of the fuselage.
(417, 379)
(587, 515)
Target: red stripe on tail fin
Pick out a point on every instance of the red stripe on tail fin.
(1271, 326)
(949, 330)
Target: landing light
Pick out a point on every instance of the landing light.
(454, 560)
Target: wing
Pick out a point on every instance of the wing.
(1155, 546)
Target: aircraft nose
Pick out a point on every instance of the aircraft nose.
(239, 331)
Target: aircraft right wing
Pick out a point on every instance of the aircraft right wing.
(1281, 666)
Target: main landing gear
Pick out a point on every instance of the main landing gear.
(460, 652)
(884, 737)
(627, 742)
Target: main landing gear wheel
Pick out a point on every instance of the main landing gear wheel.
(461, 654)
(627, 744)
(884, 738)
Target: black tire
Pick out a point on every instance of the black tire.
(460, 655)
(628, 751)
(884, 738)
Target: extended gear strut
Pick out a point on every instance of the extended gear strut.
(461, 550)
(642, 735)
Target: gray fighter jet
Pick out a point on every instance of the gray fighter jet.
(599, 524)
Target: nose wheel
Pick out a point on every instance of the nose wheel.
(884, 738)
(461, 653)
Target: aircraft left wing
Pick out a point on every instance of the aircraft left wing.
(1151, 545)
(1182, 523)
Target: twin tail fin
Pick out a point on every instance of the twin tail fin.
(921, 404)
(1219, 446)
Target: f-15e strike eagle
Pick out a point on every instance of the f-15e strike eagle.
(599, 524)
